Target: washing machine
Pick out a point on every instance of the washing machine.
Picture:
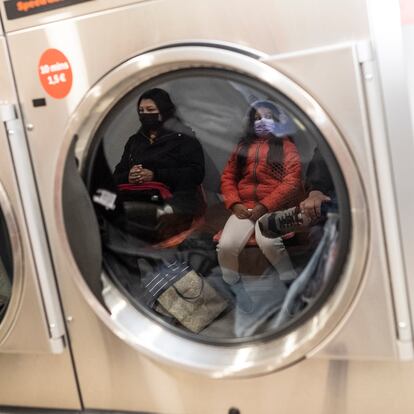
(36, 364)
(309, 344)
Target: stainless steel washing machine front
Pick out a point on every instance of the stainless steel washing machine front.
(33, 354)
(203, 55)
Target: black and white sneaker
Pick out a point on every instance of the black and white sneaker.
(279, 223)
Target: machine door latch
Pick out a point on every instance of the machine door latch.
(7, 112)
(364, 51)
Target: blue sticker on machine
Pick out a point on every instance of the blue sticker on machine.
(22, 8)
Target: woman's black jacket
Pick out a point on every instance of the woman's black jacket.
(175, 158)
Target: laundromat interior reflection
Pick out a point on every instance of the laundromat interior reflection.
(217, 208)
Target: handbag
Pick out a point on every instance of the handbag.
(184, 294)
(150, 192)
(139, 204)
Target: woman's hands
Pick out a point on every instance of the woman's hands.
(138, 175)
(242, 212)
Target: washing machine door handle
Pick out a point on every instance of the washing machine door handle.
(38, 239)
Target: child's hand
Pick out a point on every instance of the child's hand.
(257, 212)
(240, 211)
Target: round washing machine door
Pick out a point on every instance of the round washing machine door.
(224, 204)
(10, 266)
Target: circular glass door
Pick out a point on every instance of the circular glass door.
(6, 267)
(226, 218)
(9, 252)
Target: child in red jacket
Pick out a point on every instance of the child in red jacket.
(262, 175)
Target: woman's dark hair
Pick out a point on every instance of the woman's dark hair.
(162, 100)
(275, 155)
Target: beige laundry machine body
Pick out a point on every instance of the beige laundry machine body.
(78, 71)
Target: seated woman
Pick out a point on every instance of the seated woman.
(162, 155)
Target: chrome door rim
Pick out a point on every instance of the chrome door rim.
(144, 334)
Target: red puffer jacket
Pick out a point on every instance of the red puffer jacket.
(259, 184)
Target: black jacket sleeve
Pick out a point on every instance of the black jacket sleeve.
(190, 170)
(318, 177)
(122, 169)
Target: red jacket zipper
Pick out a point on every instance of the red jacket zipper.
(256, 162)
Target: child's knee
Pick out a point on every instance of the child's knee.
(228, 246)
(231, 244)
(275, 245)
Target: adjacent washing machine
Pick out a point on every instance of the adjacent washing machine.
(174, 92)
(36, 364)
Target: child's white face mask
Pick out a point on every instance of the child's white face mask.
(264, 126)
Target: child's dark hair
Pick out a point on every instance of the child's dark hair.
(274, 156)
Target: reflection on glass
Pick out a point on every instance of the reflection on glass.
(261, 176)
(5, 267)
(160, 172)
(220, 213)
